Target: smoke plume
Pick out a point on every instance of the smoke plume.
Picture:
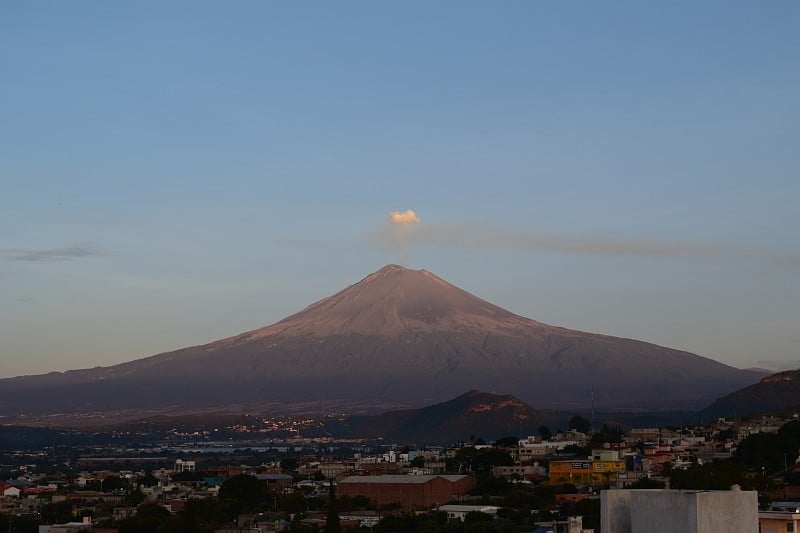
(404, 218)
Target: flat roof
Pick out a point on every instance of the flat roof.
(400, 478)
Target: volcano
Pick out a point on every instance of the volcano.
(398, 338)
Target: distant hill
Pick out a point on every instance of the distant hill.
(474, 414)
(399, 337)
(36, 438)
(775, 392)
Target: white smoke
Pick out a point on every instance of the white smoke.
(403, 218)
(399, 232)
(405, 229)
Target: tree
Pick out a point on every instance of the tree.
(249, 493)
(579, 423)
(293, 503)
(545, 432)
(507, 442)
(589, 509)
(489, 457)
(187, 476)
(288, 465)
(57, 512)
(111, 483)
(717, 475)
(771, 452)
(607, 434)
(647, 483)
(148, 480)
(149, 518)
(332, 524)
(134, 498)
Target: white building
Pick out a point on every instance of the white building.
(460, 512)
(669, 511)
(184, 466)
(11, 492)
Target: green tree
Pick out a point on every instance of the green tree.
(607, 434)
(134, 498)
(647, 483)
(187, 476)
(111, 483)
(203, 516)
(288, 465)
(148, 480)
(58, 512)
(589, 509)
(149, 518)
(249, 493)
(332, 524)
(545, 432)
(352, 503)
(718, 475)
(771, 452)
(19, 524)
(507, 442)
(579, 423)
(293, 503)
(486, 458)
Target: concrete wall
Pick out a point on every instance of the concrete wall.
(731, 511)
(664, 512)
(671, 511)
(615, 511)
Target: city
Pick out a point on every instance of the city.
(554, 481)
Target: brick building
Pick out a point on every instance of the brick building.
(410, 492)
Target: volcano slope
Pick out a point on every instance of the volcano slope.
(397, 338)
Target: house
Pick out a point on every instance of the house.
(460, 512)
(276, 482)
(528, 473)
(10, 491)
(407, 492)
(781, 517)
(184, 466)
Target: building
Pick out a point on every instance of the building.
(9, 491)
(668, 511)
(460, 512)
(534, 447)
(184, 466)
(782, 517)
(574, 472)
(606, 471)
(407, 492)
(276, 482)
(528, 473)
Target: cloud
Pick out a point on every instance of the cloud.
(404, 218)
(50, 254)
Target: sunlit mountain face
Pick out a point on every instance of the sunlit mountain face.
(397, 338)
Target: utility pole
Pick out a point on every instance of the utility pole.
(592, 426)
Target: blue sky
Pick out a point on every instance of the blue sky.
(174, 173)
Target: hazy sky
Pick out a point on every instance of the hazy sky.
(177, 172)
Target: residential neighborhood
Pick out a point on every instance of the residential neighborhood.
(563, 481)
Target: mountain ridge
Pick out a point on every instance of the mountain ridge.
(473, 413)
(774, 392)
(396, 336)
